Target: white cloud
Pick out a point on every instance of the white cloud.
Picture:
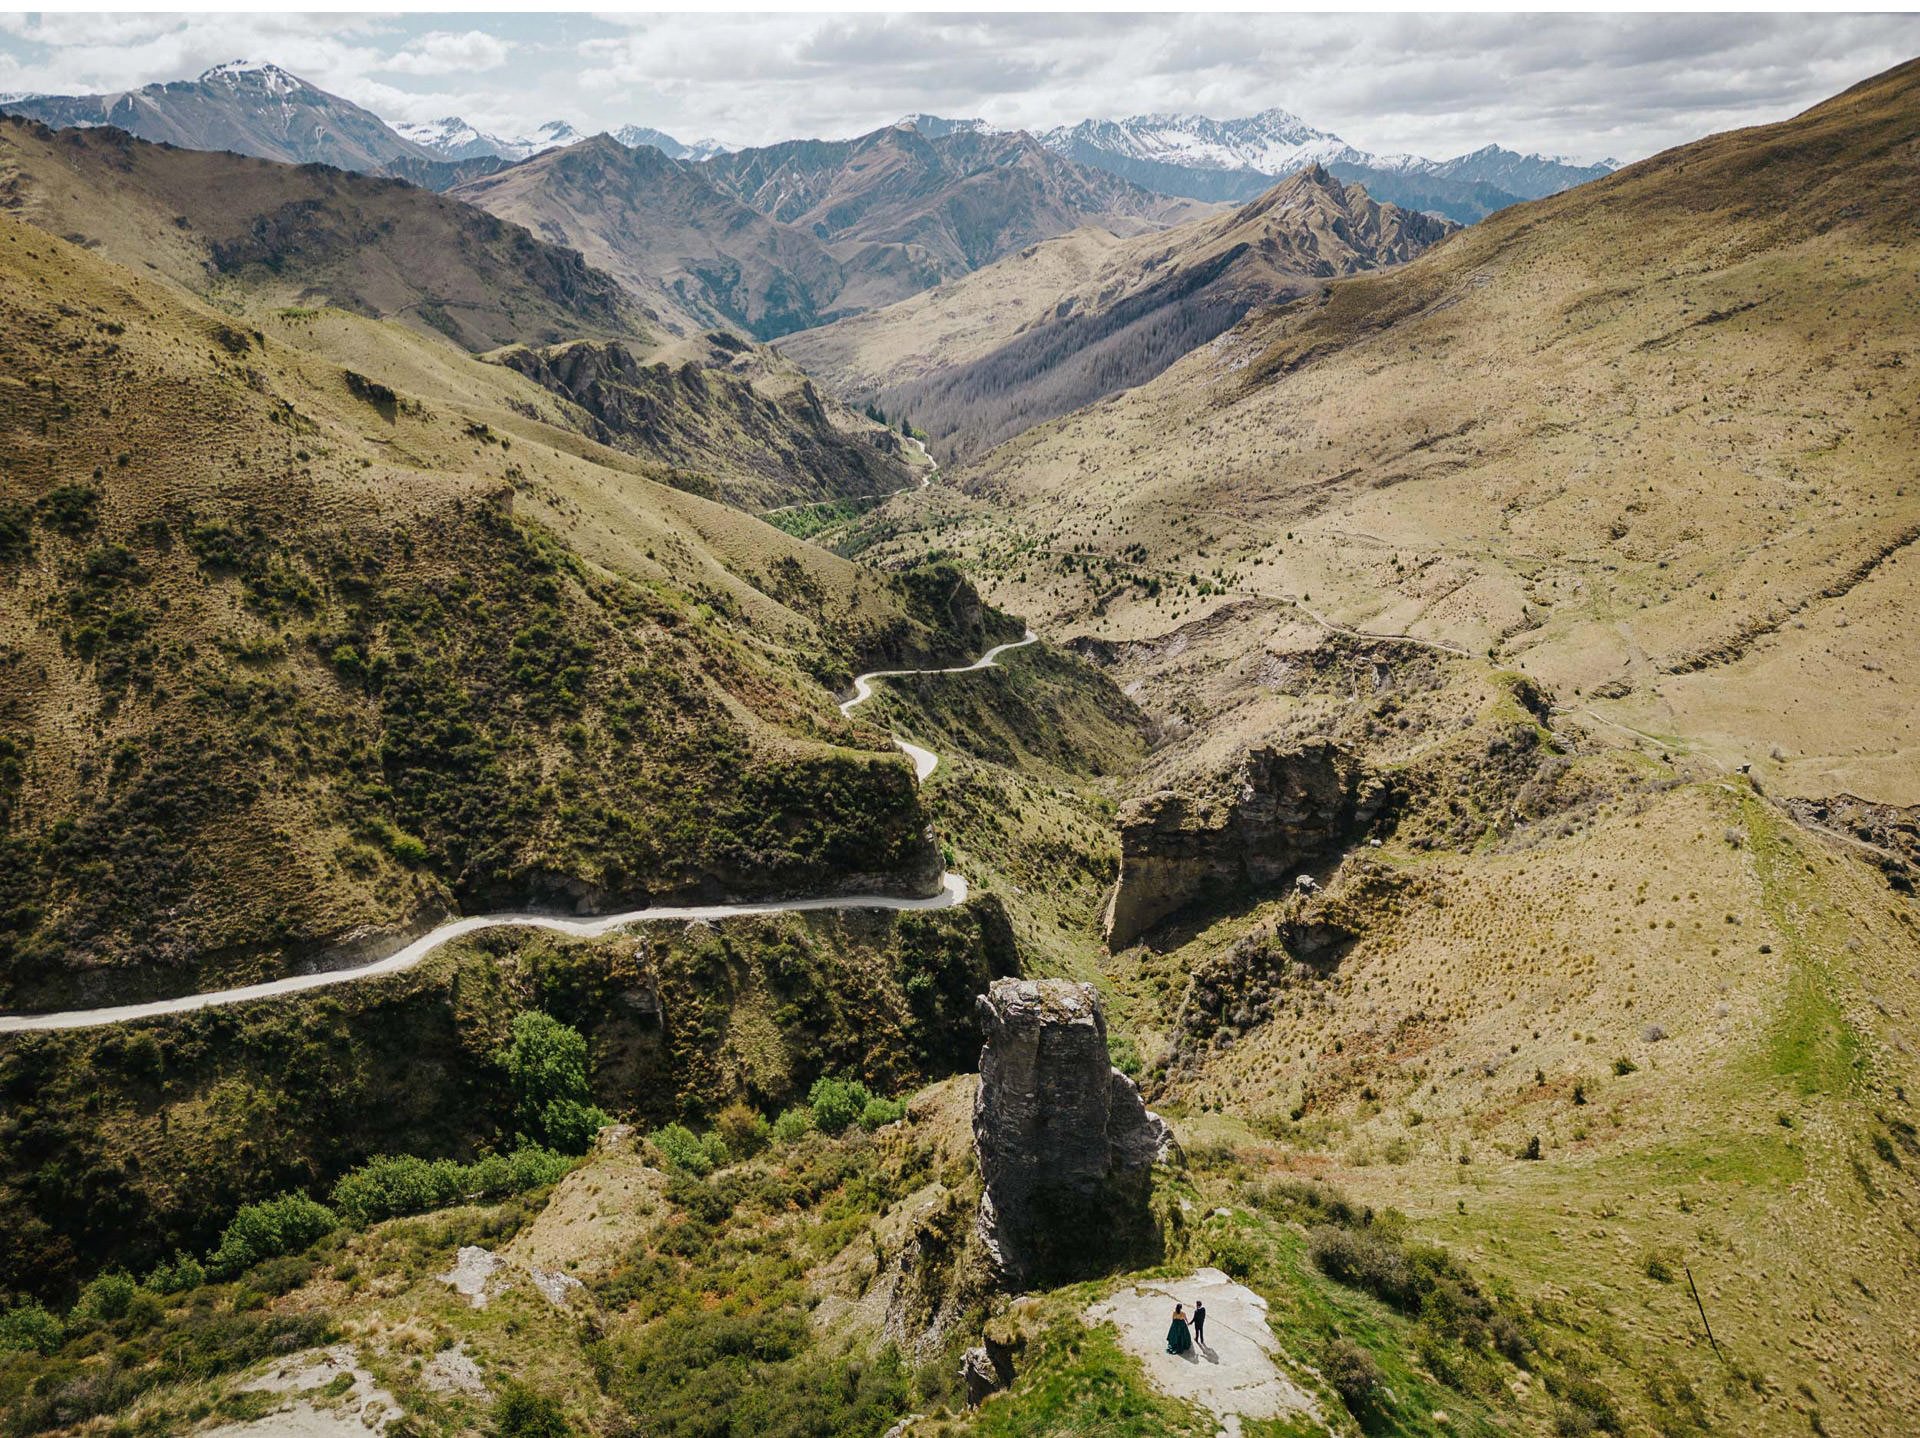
(445, 53)
(1582, 85)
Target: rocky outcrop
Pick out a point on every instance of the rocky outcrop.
(1893, 833)
(985, 1369)
(1250, 828)
(1066, 1144)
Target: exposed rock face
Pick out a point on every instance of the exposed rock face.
(1065, 1142)
(1277, 810)
(985, 1369)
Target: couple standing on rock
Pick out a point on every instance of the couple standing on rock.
(1178, 1339)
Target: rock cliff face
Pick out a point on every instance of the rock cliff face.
(1065, 1142)
(1261, 821)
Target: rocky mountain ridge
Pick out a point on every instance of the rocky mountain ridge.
(1063, 324)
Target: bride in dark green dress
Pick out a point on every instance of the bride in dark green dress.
(1179, 1340)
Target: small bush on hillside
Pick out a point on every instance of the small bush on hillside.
(521, 1412)
(29, 1328)
(266, 1230)
(1234, 1253)
(73, 509)
(793, 1125)
(176, 1275)
(880, 1112)
(106, 1299)
(1360, 1258)
(836, 1103)
(16, 531)
(1352, 1372)
(743, 1129)
(687, 1151)
(398, 1184)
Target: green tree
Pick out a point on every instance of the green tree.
(546, 1066)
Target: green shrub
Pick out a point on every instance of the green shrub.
(29, 1328)
(569, 1126)
(880, 1112)
(401, 1183)
(793, 1125)
(520, 1412)
(1352, 1372)
(1361, 1259)
(683, 1149)
(1234, 1252)
(73, 509)
(176, 1275)
(260, 1231)
(16, 531)
(106, 1299)
(836, 1103)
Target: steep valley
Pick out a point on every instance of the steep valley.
(1068, 322)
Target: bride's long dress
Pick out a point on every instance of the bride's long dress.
(1178, 1339)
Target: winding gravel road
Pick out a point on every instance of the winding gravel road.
(953, 890)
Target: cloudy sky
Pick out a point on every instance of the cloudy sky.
(1582, 86)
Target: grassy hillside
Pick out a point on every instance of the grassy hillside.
(299, 657)
(287, 235)
(124, 1145)
(298, 250)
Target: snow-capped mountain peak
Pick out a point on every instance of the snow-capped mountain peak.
(1271, 142)
(452, 138)
(937, 127)
(253, 75)
(634, 136)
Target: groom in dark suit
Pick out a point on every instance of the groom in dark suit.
(1200, 1323)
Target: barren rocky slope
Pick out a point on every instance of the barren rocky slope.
(697, 254)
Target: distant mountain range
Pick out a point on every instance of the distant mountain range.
(773, 240)
(790, 236)
(1235, 160)
(454, 139)
(252, 108)
(260, 109)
